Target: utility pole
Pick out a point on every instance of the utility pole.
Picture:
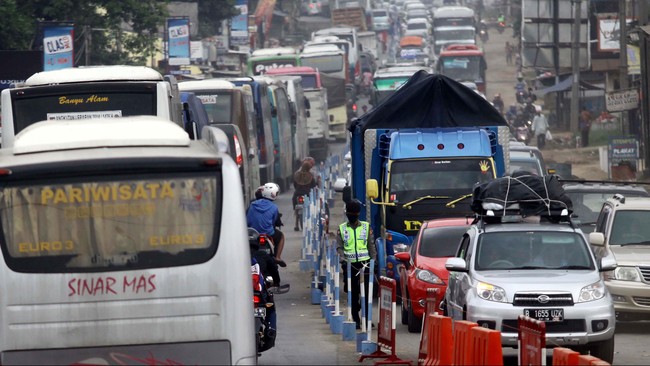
(575, 64)
(622, 40)
(644, 105)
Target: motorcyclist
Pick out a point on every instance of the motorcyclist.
(303, 182)
(264, 216)
(498, 102)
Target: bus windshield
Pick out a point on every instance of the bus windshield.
(97, 224)
(461, 67)
(328, 63)
(218, 105)
(415, 178)
(454, 35)
(91, 100)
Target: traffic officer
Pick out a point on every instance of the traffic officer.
(356, 244)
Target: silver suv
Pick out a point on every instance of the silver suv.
(622, 229)
(544, 270)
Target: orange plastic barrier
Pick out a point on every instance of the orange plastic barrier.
(565, 357)
(440, 341)
(462, 353)
(486, 347)
(432, 299)
(532, 340)
(588, 360)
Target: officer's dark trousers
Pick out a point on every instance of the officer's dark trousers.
(356, 289)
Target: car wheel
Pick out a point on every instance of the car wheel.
(405, 315)
(414, 323)
(603, 350)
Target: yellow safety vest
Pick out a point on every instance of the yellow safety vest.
(355, 241)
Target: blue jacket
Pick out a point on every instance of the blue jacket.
(262, 215)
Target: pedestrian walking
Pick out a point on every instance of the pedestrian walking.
(584, 125)
(540, 127)
(509, 51)
(356, 244)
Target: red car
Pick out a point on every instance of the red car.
(423, 266)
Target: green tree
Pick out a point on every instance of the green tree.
(110, 31)
(17, 30)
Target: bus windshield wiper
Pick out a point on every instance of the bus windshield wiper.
(452, 204)
(409, 204)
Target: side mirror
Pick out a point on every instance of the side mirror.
(597, 239)
(456, 265)
(372, 188)
(274, 112)
(331, 118)
(404, 257)
(608, 263)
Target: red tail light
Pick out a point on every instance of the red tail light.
(354, 107)
(301, 199)
(238, 151)
(262, 241)
(256, 299)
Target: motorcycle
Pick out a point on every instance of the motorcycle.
(263, 291)
(484, 35)
(501, 27)
(522, 134)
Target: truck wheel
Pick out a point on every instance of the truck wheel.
(603, 350)
(414, 323)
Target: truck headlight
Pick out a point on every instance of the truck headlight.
(490, 292)
(595, 291)
(627, 274)
(399, 248)
(427, 276)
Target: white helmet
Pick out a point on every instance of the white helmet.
(270, 191)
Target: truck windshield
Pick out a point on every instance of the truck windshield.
(412, 179)
(218, 105)
(328, 63)
(461, 67)
(308, 82)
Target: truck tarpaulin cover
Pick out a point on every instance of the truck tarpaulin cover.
(335, 89)
(535, 195)
(431, 100)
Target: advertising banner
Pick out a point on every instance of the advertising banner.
(623, 154)
(178, 32)
(239, 25)
(609, 34)
(622, 100)
(58, 47)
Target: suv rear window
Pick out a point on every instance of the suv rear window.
(99, 224)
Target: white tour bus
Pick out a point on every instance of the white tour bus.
(89, 92)
(123, 248)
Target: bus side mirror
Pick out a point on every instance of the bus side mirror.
(372, 188)
(347, 194)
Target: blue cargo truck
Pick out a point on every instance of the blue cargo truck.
(418, 155)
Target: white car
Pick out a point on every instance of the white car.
(543, 270)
